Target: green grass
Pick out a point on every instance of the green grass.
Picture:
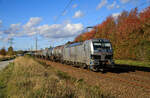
(27, 78)
(5, 75)
(133, 63)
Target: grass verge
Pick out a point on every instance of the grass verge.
(6, 58)
(133, 63)
(27, 78)
(5, 75)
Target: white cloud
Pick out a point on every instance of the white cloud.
(3, 39)
(101, 4)
(30, 27)
(124, 1)
(16, 30)
(1, 32)
(29, 31)
(115, 15)
(78, 14)
(60, 30)
(13, 29)
(111, 6)
(32, 22)
(118, 6)
(74, 6)
(54, 31)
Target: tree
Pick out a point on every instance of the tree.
(50, 47)
(19, 52)
(10, 51)
(3, 51)
(129, 34)
(145, 21)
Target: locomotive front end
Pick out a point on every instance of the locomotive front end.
(102, 53)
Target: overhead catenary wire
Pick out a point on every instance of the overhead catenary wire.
(62, 13)
(57, 18)
(65, 9)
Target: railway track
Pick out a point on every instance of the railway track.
(134, 82)
(134, 77)
(142, 73)
(130, 79)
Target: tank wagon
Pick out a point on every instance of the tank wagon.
(38, 54)
(57, 53)
(47, 53)
(94, 54)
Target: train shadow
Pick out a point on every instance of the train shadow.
(122, 68)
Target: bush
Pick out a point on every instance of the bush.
(3, 51)
(10, 51)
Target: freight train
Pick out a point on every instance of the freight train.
(94, 54)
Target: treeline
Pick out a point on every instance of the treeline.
(10, 51)
(129, 34)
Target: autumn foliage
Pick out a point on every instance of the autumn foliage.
(3, 52)
(129, 34)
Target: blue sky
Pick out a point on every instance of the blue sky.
(23, 20)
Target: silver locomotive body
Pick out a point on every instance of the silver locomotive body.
(73, 53)
(94, 53)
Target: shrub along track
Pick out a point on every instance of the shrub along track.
(124, 84)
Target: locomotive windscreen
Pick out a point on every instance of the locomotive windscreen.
(101, 45)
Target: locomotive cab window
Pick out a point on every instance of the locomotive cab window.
(101, 45)
(97, 45)
(107, 45)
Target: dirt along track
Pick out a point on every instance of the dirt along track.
(125, 82)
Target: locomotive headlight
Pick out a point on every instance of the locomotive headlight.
(91, 62)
